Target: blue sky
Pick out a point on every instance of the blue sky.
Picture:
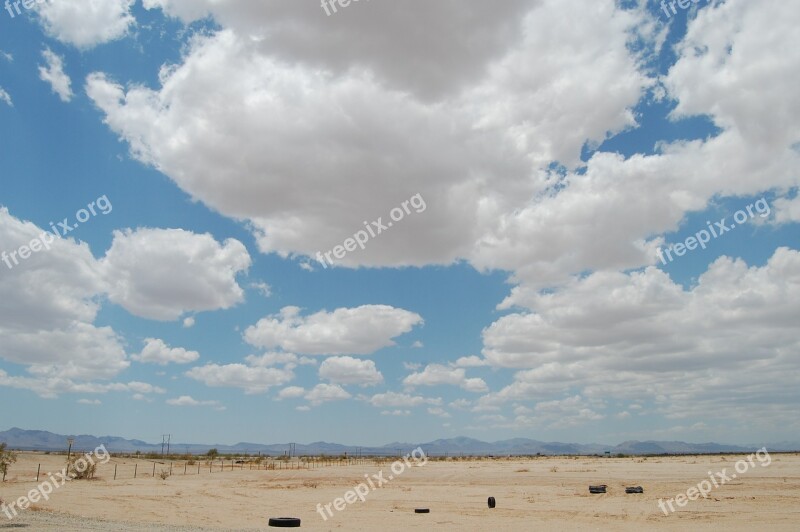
(223, 144)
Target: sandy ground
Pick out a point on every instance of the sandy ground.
(541, 493)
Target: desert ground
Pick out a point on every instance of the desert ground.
(543, 493)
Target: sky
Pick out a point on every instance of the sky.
(395, 220)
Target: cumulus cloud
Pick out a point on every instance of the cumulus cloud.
(252, 380)
(355, 331)
(157, 352)
(392, 399)
(163, 273)
(349, 370)
(51, 387)
(437, 374)
(438, 411)
(717, 346)
(93, 402)
(481, 93)
(188, 400)
(54, 74)
(472, 361)
(50, 299)
(86, 23)
(324, 393)
(292, 392)
(396, 413)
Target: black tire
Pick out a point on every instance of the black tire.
(597, 489)
(492, 502)
(422, 510)
(284, 522)
(634, 489)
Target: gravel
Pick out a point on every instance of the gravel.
(47, 521)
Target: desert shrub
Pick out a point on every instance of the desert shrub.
(6, 459)
(191, 461)
(212, 453)
(164, 474)
(85, 474)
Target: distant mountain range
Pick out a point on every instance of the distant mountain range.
(39, 440)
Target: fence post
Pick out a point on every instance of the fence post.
(37, 472)
(135, 467)
(154, 470)
(185, 465)
(115, 471)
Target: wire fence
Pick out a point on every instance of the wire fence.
(121, 468)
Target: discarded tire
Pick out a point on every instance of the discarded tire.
(492, 502)
(597, 489)
(284, 522)
(634, 489)
(422, 510)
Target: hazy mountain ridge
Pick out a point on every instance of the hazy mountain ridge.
(40, 440)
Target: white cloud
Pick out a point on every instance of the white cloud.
(471, 362)
(89, 402)
(393, 399)
(50, 387)
(356, 331)
(262, 288)
(787, 210)
(323, 393)
(188, 322)
(396, 413)
(499, 96)
(54, 74)
(460, 404)
(562, 85)
(187, 400)
(723, 344)
(51, 299)
(437, 374)
(438, 411)
(7, 56)
(252, 380)
(349, 370)
(5, 97)
(272, 359)
(86, 23)
(157, 352)
(292, 392)
(162, 273)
